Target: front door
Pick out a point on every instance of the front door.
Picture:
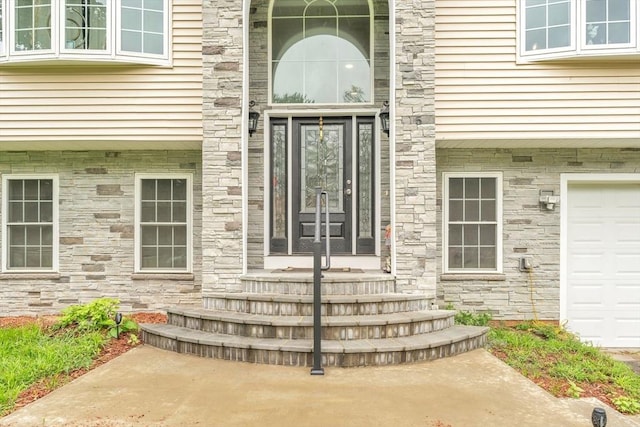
(322, 158)
(337, 155)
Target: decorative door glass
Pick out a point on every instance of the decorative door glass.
(322, 165)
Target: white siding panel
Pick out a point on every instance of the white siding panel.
(482, 94)
(110, 102)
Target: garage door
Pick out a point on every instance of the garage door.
(603, 263)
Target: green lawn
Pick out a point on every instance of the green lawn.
(29, 354)
(559, 362)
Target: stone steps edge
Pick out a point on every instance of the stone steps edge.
(308, 298)
(350, 320)
(453, 335)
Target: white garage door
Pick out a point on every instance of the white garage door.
(603, 263)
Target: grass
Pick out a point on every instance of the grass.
(556, 360)
(30, 353)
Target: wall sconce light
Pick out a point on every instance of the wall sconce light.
(384, 117)
(253, 118)
(548, 200)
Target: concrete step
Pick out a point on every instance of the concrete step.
(302, 305)
(299, 352)
(333, 283)
(391, 325)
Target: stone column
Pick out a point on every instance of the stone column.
(415, 155)
(222, 248)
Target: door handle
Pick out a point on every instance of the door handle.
(347, 192)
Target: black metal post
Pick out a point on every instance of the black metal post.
(317, 277)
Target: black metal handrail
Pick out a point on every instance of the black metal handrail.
(317, 276)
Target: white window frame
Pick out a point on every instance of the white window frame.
(372, 50)
(5, 223)
(601, 47)
(3, 28)
(139, 177)
(572, 32)
(58, 51)
(111, 26)
(446, 176)
(165, 30)
(578, 47)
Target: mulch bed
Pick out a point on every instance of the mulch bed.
(561, 388)
(111, 350)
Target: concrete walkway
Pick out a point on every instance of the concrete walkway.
(151, 387)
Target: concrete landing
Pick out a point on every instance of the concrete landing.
(152, 387)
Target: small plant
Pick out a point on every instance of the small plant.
(133, 340)
(540, 329)
(469, 318)
(627, 405)
(473, 319)
(97, 315)
(574, 390)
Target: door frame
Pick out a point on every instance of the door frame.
(276, 258)
(566, 179)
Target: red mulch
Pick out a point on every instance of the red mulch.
(113, 349)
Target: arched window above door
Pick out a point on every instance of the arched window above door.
(321, 52)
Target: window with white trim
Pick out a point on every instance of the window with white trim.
(163, 223)
(569, 28)
(95, 30)
(472, 222)
(30, 223)
(321, 51)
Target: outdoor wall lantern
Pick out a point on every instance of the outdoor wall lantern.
(384, 117)
(253, 118)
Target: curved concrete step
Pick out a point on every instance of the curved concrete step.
(332, 283)
(301, 327)
(302, 305)
(299, 352)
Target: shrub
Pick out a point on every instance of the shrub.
(97, 315)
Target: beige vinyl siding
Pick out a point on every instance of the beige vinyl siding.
(483, 94)
(117, 103)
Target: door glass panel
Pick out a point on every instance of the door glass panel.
(365, 184)
(279, 181)
(322, 165)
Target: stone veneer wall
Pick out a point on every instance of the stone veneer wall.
(527, 229)
(96, 233)
(222, 179)
(258, 88)
(415, 162)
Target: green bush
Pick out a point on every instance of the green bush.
(97, 315)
